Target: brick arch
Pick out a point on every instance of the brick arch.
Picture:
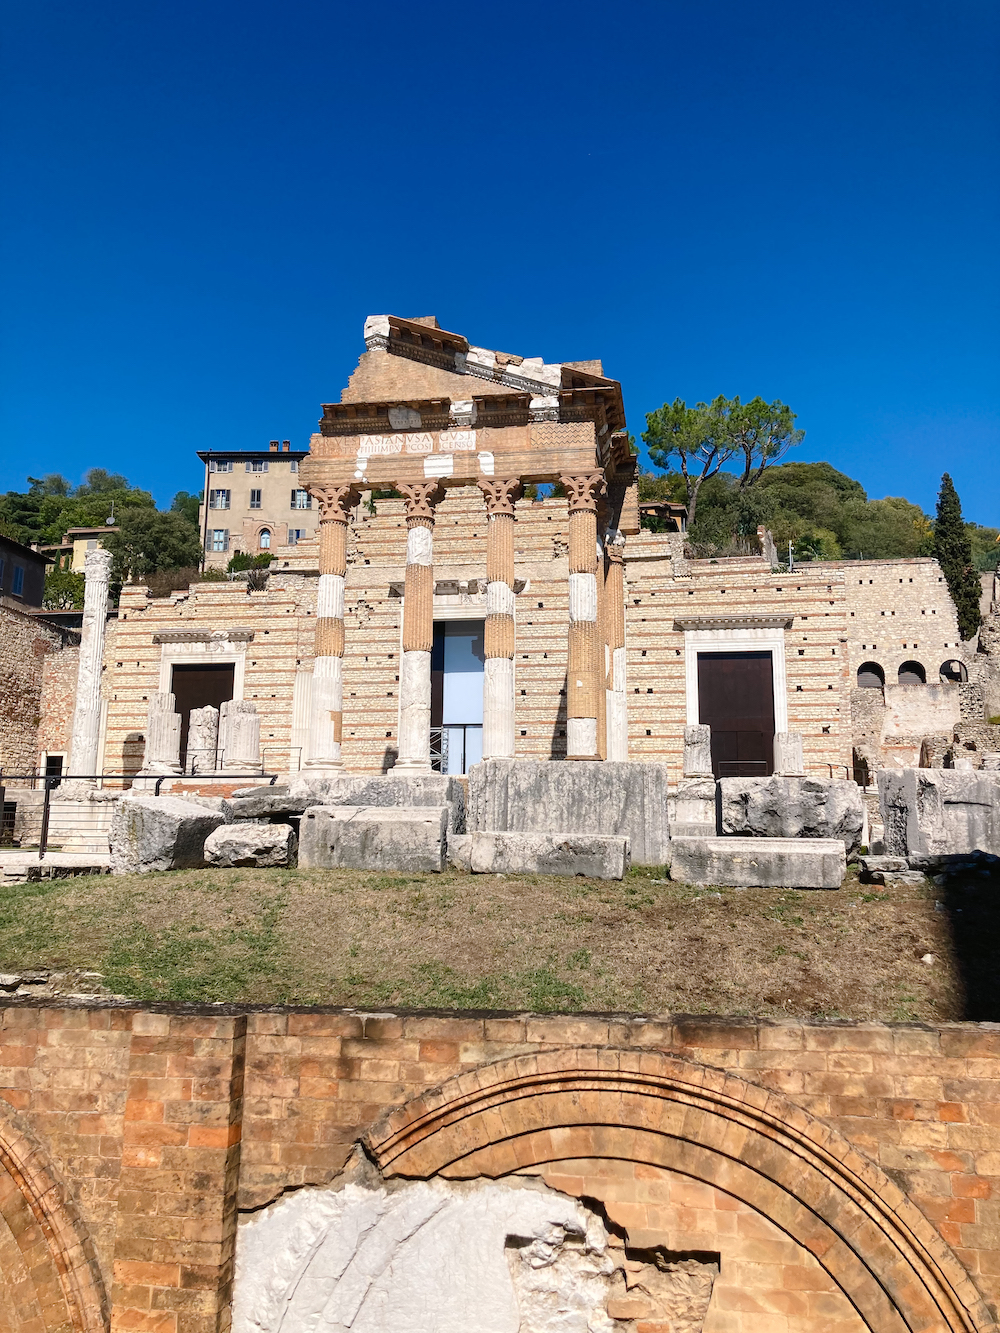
(52, 1280)
(756, 1145)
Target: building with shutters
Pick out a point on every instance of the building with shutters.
(253, 502)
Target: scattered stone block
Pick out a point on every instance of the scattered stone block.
(348, 837)
(695, 813)
(793, 807)
(160, 833)
(460, 851)
(391, 791)
(248, 844)
(743, 863)
(698, 752)
(939, 812)
(594, 855)
(622, 800)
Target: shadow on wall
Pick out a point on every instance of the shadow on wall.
(970, 894)
(557, 748)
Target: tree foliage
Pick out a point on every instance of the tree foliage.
(703, 439)
(187, 504)
(63, 590)
(50, 505)
(148, 542)
(954, 552)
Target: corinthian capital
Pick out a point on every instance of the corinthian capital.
(583, 492)
(501, 494)
(420, 497)
(335, 502)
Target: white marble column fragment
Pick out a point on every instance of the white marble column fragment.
(501, 497)
(327, 695)
(203, 740)
(239, 736)
(87, 714)
(163, 735)
(585, 677)
(788, 759)
(418, 629)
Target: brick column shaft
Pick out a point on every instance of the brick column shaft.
(418, 629)
(498, 669)
(617, 699)
(327, 712)
(584, 667)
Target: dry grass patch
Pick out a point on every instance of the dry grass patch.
(495, 942)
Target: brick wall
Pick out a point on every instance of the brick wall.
(139, 1138)
(31, 651)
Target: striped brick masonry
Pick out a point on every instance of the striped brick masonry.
(327, 720)
(418, 628)
(583, 667)
(498, 670)
(614, 612)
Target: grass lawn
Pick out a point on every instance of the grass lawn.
(532, 942)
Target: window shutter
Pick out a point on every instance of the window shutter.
(249, 467)
(264, 468)
(212, 465)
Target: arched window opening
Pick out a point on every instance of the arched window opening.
(954, 672)
(870, 676)
(912, 673)
(264, 540)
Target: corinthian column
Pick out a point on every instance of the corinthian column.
(584, 667)
(418, 628)
(326, 725)
(498, 669)
(87, 714)
(614, 613)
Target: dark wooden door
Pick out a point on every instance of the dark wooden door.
(736, 699)
(197, 687)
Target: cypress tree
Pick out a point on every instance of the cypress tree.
(954, 553)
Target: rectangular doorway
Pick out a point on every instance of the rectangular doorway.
(197, 687)
(736, 699)
(457, 695)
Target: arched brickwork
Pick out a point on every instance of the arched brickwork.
(756, 1145)
(49, 1276)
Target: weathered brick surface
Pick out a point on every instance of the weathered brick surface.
(158, 1127)
(36, 661)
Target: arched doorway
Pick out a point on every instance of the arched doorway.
(870, 676)
(575, 1110)
(911, 673)
(264, 539)
(953, 672)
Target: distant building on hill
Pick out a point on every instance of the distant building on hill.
(253, 502)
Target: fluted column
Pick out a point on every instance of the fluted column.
(326, 725)
(584, 667)
(614, 612)
(87, 714)
(418, 628)
(498, 669)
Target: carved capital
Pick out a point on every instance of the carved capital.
(583, 492)
(501, 495)
(335, 502)
(614, 547)
(420, 497)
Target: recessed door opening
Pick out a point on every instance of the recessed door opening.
(736, 699)
(197, 687)
(457, 695)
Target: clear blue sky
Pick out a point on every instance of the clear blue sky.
(203, 201)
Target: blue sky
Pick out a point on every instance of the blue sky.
(204, 201)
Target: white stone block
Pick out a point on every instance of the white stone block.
(374, 838)
(420, 546)
(797, 863)
(594, 856)
(330, 596)
(581, 736)
(582, 598)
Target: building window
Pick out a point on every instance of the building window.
(92, 545)
(257, 465)
(301, 500)
(219, 499)
(293, 466)
(17, 587)
(214, 465)
(264, 540)
(255, 499)
(220, 539)
(296, 535)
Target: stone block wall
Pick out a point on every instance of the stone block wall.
(819, 1165)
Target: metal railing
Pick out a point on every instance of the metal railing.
(450, 746)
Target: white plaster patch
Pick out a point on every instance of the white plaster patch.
(330, 596)
(439, 465)
(430, 1257)
(582, 598)
(499, 599)
(405, 418)
(457, 441)
(419, 546)
(487, 464)
(581, 735)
